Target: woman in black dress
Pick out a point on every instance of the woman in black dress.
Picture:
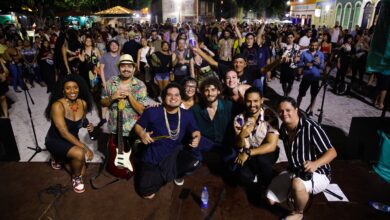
(67, 108)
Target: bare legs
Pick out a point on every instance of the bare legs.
(77, 161)
(162, 84)
(380, 99)
(300, 196)
(4, 106)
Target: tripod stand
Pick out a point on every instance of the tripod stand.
(325, 86)
(37, 148)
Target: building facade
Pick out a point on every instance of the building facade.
(177, 11)
(302, 11)
(348, 13)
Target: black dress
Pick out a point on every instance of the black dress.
(56, 144)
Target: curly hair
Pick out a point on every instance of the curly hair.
(58, 92)
(211, 81)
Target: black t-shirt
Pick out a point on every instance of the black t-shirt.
(166, 62)
(251, 54)
(131, 47)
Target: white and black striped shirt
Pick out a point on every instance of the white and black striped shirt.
(309, 144)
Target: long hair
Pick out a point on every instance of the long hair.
(58, 92)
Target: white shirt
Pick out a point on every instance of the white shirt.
(335, 35)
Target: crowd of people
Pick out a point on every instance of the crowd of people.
(198, 86)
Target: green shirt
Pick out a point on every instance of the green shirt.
(138, 89)
(214, 129)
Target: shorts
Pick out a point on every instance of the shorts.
(314, 85)
(279, 188)
(161, 76)
(287, 74)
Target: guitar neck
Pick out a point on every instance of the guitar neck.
(120, 131)
(270, 66)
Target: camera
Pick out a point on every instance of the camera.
(301, 173)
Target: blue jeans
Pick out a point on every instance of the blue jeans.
(16, 72)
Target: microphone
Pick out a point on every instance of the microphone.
(91, 133)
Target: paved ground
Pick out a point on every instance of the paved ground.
(338, 113)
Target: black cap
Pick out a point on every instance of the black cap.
(238, 56)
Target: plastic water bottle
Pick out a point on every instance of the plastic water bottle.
(375, 205)
(205, 198)
(192, 39)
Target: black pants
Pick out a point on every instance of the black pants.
(150, 177)
(359, 68)
(260, 166)
(313, 83)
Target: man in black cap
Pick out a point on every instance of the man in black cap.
(239, 65)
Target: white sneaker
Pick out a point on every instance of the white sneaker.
(78, 184)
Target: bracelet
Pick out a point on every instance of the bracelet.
(248, 152)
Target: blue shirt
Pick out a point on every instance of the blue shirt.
(315, 70)
(153, 119)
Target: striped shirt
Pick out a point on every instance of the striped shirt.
(309, 144)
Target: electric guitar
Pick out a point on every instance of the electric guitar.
(119, 163)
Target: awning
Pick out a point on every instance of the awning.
(117, 10)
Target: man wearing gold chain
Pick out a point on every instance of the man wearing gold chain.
(162, 130)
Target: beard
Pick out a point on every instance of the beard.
(211, 99)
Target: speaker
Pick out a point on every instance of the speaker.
(8, 149)
(364, 139)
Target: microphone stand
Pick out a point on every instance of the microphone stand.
(321, 110)
(37, 148)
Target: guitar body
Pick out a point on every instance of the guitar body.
(118, 164)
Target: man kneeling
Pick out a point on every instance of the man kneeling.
(309, 153)
(162, 129)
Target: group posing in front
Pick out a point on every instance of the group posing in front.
(206, 102)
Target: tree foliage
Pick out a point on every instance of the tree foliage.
(269, 7)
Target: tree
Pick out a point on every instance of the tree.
(264, 7)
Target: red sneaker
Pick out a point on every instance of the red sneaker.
(78, 184)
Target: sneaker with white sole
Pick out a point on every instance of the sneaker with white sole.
(55, 165)
(178, 181)
(78, 184)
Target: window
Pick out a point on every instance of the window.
(346, 16)
(356, 14)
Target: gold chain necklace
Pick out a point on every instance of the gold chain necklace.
(173, 134)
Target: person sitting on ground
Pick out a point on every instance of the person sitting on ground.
(67, 109)
(309, 153)
(257, 139)
(165, 160)
(213, 116)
